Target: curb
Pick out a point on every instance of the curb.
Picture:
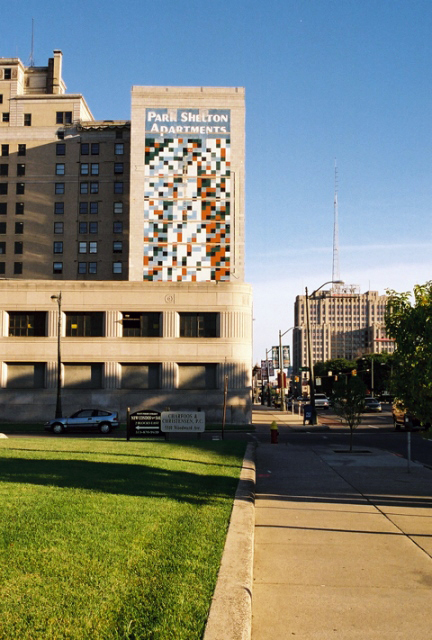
(230, 614)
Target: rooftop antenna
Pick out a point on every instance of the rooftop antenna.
(335, 271)
(31, 62)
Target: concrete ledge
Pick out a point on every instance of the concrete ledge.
(230, 614)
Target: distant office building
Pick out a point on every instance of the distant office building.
(344, 323)
(140, 225)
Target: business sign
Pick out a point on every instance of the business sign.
(145, 423)
(182, 421)
(190, 122)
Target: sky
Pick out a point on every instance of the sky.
(328, 82)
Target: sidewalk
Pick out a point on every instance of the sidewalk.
(342, 542)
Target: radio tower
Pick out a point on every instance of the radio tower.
(335, 271)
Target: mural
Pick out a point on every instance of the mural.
(187, 195)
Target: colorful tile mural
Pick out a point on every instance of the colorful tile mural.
(187, 219)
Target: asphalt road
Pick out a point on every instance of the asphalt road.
(376, 431)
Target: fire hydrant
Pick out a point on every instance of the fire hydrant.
(274, 433)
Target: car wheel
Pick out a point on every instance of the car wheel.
(104, 427)
(57, 427)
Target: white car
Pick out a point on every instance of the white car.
(321, 401)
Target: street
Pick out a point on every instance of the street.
(376, 431)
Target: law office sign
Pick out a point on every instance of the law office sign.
(182, 421)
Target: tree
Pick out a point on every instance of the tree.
(410, 325)
(348, 402)
(337, 366)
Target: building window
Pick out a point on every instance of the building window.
(84, 325)
(93, 227)
(82, 247)
(82, 227)
(59, 208)
(25, 375)
(95, 148)
(27, 119)
(84, 169)
(7, 74)
(85, 148)
(60, 135)
(2, 227)
(4, 170)
(197, 376)
(83, 376)
(20, 188)
(5, 149)
(3, 208)
(118, 207)
(1, 98)
(2, 248)
(60, 149)
(94, 169)
(140, 376)
(117, 246)
(94, 207)
(57, 268)
(83, 207)
(2, 268)
(119, 148)
(60, 188)
(27, 324)
(117, 267)
(118, 167)
(19, 227)
(199, 325)
(18, 268)
(5, 117)
(22, 149)
(18, 247)
(84, 187)
(3, 188)
(58, 247)
(21, 169)
(118, 227)
(58, 227)
(118, 187)
(19, 208)
(93, 247)
(64, 117)
(92, 267)
(142, 325)
(82, 267)
(60, 169)
(94, 187)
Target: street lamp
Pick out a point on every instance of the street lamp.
(282, 388)
(58, 411)
(262, 377)
(310, 359)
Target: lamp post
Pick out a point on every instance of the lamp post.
(58, 411)
(309, 343)
(282, 387)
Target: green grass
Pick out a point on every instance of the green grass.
(103, 538)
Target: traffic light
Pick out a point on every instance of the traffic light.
(354, 372)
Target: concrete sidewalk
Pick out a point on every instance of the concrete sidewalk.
(342, 542)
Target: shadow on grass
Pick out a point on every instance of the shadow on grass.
(122, 479)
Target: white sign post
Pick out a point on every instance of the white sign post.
(182, 421)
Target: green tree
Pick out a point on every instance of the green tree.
(348, 402)
(337, 367)
(409, 322)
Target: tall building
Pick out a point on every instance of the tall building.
(344, 323)
(140, 226)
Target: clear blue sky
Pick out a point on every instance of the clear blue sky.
(345, 79)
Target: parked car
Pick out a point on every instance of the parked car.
(321, 401)
(372, 404)
(101, 419)
(402, 418)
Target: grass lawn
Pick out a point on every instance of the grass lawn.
(103, 538)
